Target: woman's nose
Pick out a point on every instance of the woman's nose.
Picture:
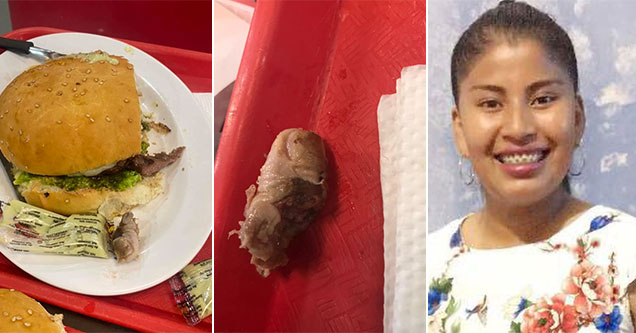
(519, 124)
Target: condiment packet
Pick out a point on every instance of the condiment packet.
(27, 228)
(192, 289)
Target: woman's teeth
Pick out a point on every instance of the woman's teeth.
(521, 158)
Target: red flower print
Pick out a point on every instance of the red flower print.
(550, 315)
(589, 284)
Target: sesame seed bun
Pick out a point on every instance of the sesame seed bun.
(71, 115)
(21, 313)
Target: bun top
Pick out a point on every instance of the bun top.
(21, 313)
(71, 115)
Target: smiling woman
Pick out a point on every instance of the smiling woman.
(533, 258)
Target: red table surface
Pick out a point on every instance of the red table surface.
(153, 309)
(319, 65)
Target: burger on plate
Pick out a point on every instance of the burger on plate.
(72, 130)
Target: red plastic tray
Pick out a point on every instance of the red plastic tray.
(153, 309)
(319, 65)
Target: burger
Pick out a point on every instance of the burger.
(72, 130)
(21, 313)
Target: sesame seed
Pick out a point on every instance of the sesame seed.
(64, 84)
(69, 69)
(29, 111)
(68, 75)
(18, 318)
(126, 100)
(13, 320)
(1, 116)
(11, 129)
(88, 71)
(67, 201)
(114, 70)
(129, 120)
(27, 324)
(129, 66)
(37, 105)
(19, 100)
(49, 89)
(107, 118)
(95, 79)
(84, 80)
(6, 314)
(59, 93)
(58, 121)
(29, 311)
(1, 142)
(83, 93)
(87, 115)
(27, 139)
(74, 89)
(46, 74)
(92, 120)
(20, 132)
(76, 95)
(101, 82)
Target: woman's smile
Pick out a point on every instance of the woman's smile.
(522, 163)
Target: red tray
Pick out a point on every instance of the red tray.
(153, 309)
(319, 65)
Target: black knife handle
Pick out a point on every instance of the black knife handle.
(15, 45)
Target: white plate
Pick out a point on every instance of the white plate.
(175, 225)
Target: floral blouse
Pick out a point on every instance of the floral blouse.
(576, 281)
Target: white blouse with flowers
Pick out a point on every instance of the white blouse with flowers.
(576, 281)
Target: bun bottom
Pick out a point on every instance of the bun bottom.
(90, 201)
(32, 315)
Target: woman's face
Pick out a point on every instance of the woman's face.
(518, 120)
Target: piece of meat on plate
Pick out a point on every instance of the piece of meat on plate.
(126, 239)
(292, 188)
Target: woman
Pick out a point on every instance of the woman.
(533, 258)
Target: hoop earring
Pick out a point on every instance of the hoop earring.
(471, 173)
(578, 171)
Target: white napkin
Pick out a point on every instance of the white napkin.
(402, 132)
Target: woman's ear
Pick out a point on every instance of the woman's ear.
(458, 132)
(579, 118)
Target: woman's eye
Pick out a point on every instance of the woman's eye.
(489, 104)
(543, 100)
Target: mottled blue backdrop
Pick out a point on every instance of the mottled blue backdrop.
(604, 36)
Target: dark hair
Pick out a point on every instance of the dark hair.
(512, 20)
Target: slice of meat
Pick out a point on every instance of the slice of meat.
(160, 127)
(291, 191)
(126, 239)
(147, 165)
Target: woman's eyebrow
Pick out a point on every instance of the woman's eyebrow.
(543, 83)
(489, 87)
